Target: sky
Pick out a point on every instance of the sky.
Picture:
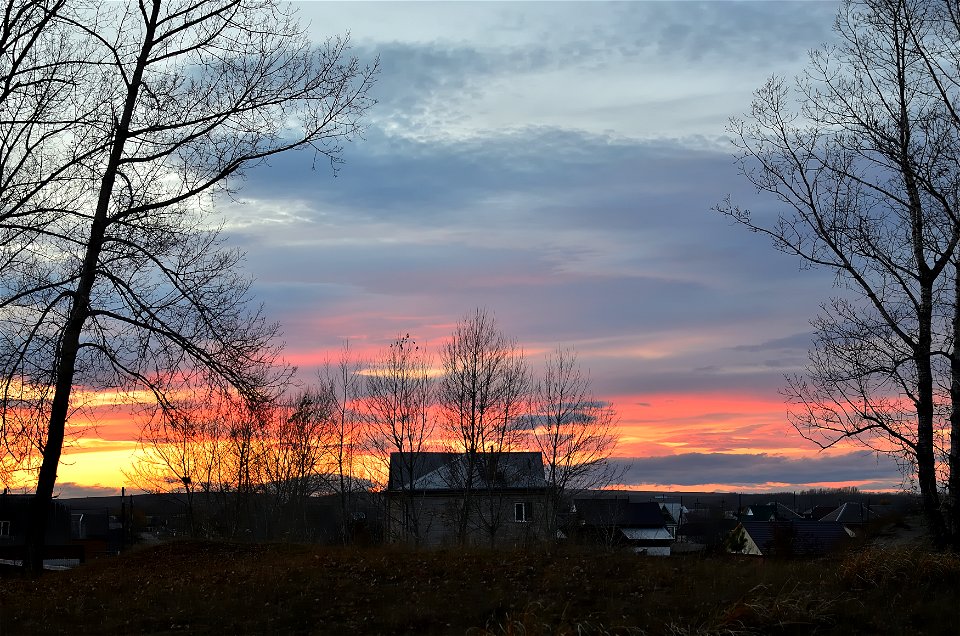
(558, 165)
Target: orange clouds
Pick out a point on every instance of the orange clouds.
(663, 424)
(660, 425)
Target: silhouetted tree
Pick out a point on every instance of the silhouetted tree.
(575, 432)
(398, 399)
(41, 108)
(202, 443)
(862, 158)
(178, 98)
(344, 385)
(482, 396)
(297, 450)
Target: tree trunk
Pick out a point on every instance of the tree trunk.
(926, 452)
(953, 481)
(79, 312)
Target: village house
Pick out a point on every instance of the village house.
(441, 498)
(617, 521)
(773, 511)
(14, 520)
(794, 538)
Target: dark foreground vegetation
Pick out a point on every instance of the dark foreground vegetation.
(203, 587)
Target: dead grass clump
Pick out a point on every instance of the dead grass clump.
(537, 620)
(764, 609)
(899, 567)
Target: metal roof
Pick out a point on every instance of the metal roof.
(452, 471)
(647, 534)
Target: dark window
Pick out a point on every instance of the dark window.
(4, 528)
(521, 512)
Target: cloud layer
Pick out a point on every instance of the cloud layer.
(558, 164)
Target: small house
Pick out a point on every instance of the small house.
(794, 538)
(642, 526)
(489, 498)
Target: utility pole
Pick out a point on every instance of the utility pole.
(123, 518)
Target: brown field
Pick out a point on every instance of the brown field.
(224, 588)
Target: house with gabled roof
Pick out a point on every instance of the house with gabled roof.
(794, 538)
(773, 511)
(640, 525)
(856, 517)
(442, 498)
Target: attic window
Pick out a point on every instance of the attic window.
(4, 528)
(521, 512)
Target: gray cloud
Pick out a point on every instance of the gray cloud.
(568, 225)
(569, 237)
(73, 490)
(694, 469)
(639, 68)
(799, 341)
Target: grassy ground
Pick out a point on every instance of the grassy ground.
(217, 588)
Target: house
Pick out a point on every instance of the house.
(642, 526)
(794, 538)
(15, 520)
(704, 530)
(772, 511)
(673, 514)
(441, 498)
(818, 512)
(857, 517)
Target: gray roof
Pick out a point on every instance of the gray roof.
(773, 511)
(799, 537)
(851, 513)
(620, 512)
(450, 471)
(647, 534)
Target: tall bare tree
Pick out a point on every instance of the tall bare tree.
(575, 432)
(865, 171)
(482, 396)
(398, 400)
(935, 34)
(129, 276)
(40, 109)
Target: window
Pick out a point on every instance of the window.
(521, 512)
(4, 528)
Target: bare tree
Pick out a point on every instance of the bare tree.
(481, 396)
(575, 432)
(343, 384)
(183, 96)
(935, 34)
(865, 171)
(398, 400)
(177, 455)
(39, 113)
(186, 451)
(296, 455)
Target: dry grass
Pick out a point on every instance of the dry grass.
(213, 588)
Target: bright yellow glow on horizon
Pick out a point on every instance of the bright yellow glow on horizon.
(97, 463)
(651, 425)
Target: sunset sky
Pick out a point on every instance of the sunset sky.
(555, 163)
